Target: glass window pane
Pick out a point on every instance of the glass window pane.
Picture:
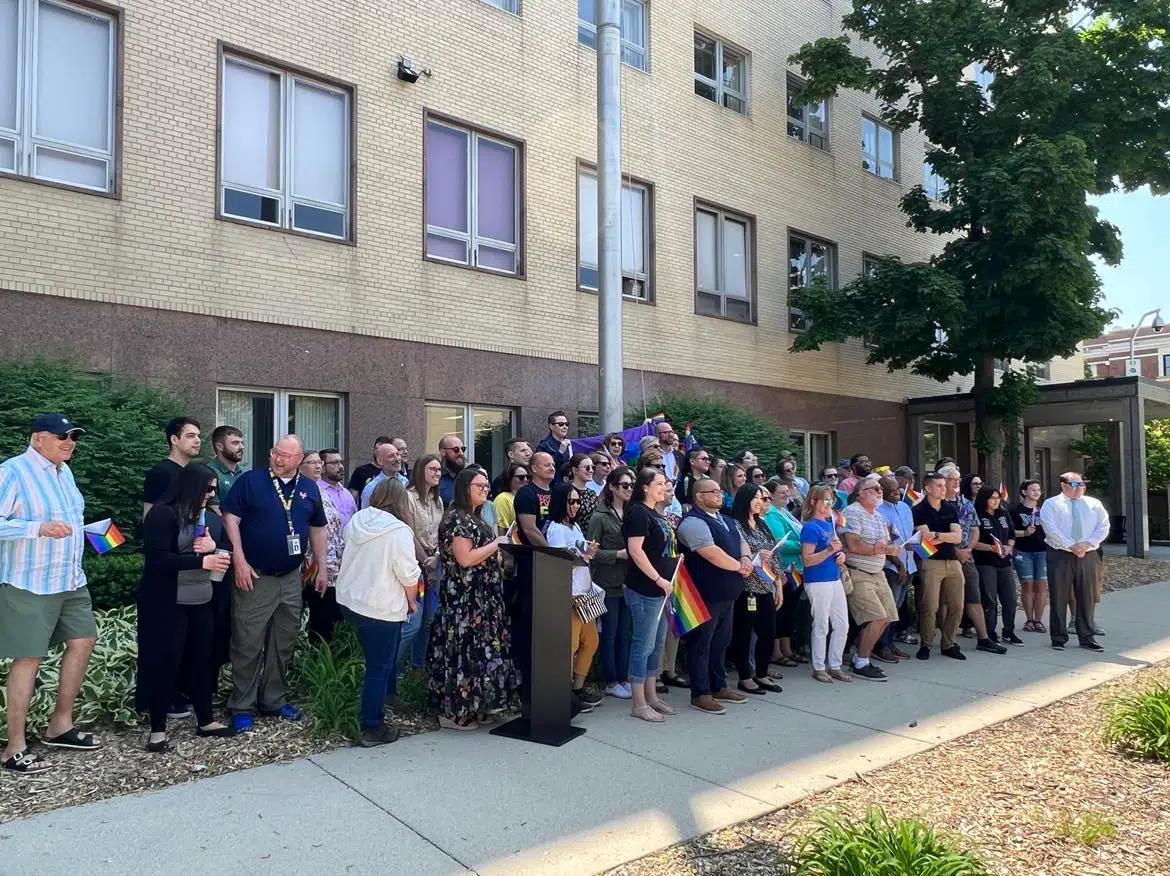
(733, 71)
(254, 414)
(251, 126)
(587, 11)
(708, 91)
(309, 218)
(493, 427)
(7, 155)
(633, 230)
(868, 137)
(447, 248)
(495, 184)
(796, 263)
(705, 56)
(735, 275)
(634, 56)
(316, 420)
(587, 220)
(819, 451)
(738, 308)
(446, 177)
(79, 170)
(320, 134)
(247, 205)
(734, 103)
(8, 41)
(705, 250)
(816, 117)
(73, 77)
(442, 419)
(818, 265)
(709, 304)
(496, 259)
(885, 143)
(633, 23)
(587, 35)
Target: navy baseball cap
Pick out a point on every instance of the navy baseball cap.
(56, 423)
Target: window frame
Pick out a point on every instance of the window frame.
(722, 213)
(938, 191)
(468, 435)
(797, 321)
(940, 427)
(24, 140)
(512, 7)
(793, 83)
(879, 126)
(722, 91)
(475, 133)
(280, 408)
(626, 45)
(648, 281)
(811, 470)
(289, 74)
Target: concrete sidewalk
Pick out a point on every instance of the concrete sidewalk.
(451, 802)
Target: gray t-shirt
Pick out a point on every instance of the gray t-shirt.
(194, 584)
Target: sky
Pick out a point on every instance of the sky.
(1142, 281)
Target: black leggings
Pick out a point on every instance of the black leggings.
(788, 614)
(177, 636)
(762, 622)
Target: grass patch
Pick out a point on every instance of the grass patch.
(1139, 723)
(1086, 828)
(877, 845)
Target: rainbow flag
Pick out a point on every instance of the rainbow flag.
(104, 536)
(913, 495)
(1003, 493)
(838, 519)
(795, 577)
(513, 534)
(766, 574)
(687, 609)
(840, 500)
(925, 548)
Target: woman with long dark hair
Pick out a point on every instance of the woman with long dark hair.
(580, 474)
(993, 560)
(516, 475)
(734, 477)
(1030, 556)
(609, 570)
(755, 608)
(175, 617)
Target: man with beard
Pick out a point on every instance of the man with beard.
(532, 501)
(452, 454)
(388, 467)
(861, 467)
(227, 442)
(516, 450)
(184, 441)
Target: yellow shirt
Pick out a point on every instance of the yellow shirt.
(505, 511)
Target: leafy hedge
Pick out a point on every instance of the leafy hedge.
(724, 428)
(112, 578)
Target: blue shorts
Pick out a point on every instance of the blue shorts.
(1031, 566)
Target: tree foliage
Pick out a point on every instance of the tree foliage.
(1071, 110)
(1094, 446)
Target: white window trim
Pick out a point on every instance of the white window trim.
(512, 7)
(722, 216)
(806, 132)
(280, 408)
(627, 45)
(642, 277)
(284, 195)
(721, 90)
(922, 436)
(795, 313)
(469, 409)
(872, 163)
(25, 143)
(472, 240)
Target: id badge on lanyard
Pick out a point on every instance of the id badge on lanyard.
(292, 541)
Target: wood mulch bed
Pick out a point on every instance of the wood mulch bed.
(1016, 790)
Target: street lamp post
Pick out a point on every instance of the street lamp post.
(1133, 367)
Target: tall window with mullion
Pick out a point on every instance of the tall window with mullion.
(472, 197)
(635, 224)
(285, 156)
(936, 186)
(807, 260)
(808, 122)
(57, 85)
(720, 73)
(878, 148)
(724, 264)
(633, 29)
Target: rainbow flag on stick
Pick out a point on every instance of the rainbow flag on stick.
(913, 495)
(795, 577)
(687, 609)
(766, 574)
(104, 536)
(924, 547)
(513, 534)
(1003, 493)
(838, 519)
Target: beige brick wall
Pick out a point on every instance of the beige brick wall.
(159, 245)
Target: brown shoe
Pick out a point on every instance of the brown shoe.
(821, 676)
(899, 653)
(840, 675)
(706, 703)
(727, 695)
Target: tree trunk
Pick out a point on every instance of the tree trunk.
(988, 444)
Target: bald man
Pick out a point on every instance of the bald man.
(268, 516)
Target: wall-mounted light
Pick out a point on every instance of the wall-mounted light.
(407, 72)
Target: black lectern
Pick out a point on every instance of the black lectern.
(546, 708)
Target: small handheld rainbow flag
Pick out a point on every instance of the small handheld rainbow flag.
(924, 548)
(838, 519)
(104, 536)
(687, 609)
(766, 574)
(513, 534)
(201, 525)
(840, 500)
(1003, 493)
(795, 577)
(913, 495)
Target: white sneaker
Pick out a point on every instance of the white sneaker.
(619, 690)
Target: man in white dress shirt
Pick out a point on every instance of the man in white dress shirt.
(1074, 526)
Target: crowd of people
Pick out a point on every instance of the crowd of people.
(414, 554)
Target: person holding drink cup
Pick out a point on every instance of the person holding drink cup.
(175, 616)
(823, 556)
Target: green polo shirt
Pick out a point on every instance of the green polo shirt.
(225, 477)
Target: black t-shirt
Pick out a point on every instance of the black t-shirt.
(532, 499)
(361, 476)
(937, 521)
(159, 479)
(1022, 518)
(658, 543)
(997, 525)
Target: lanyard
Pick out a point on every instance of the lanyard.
(286, 504)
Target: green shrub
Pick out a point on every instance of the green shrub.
(107, 693)
(327, 680)
(124, 431)
(112, 578)
(1139, 724)
(724, 428)
(877, 845)
(1086, 828)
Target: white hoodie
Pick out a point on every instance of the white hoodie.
(377, 564)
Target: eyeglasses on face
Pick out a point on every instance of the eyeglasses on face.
(520, 476)
(1075, 484)
(458, 447)
(68, 436)
(831, 476)
(574, 502)
(623, 485)
(561, 423)
(586, 467)
(701, 492)
(480, 485)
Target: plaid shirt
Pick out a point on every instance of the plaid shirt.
(34, 491)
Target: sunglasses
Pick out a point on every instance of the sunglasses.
(460, 448)
(831, 476)
(1075, 484)
(574, 501)
(211, 490)
(520, 477)
(565, 423)
(623, 485)
(67, 436)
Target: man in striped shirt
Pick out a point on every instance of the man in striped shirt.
(43, 597)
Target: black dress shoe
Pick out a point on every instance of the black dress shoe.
(157, 747)
(216, 732)
(757, 690)
(1091, 646)
(1058, 646)
(954, 652)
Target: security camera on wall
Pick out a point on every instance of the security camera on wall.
(1159, 325)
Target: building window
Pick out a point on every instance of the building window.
(588, 423)
(633, 29)
(869, 264)
(724, 264)
(877, 148)
(635, 221)
(285, 149)
(57, 86)
(484, 430)
(1001, 364)
(263, 415)
(807, 260)
(1043, 370)
(938, 441)
(982, 77)
(472, 198)
(1104, 370)
(512, 6)
(935, 185)
(808, 122)
(720, 73)
(815, 449)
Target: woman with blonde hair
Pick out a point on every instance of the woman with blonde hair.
(733, 478)
(823, 557)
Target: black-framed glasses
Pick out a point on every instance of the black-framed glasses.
(623, 485)
(561, 423)
(67, 436)
(481, 485)
(574, 502)
(701, 492)
(831, 476)
(519, 477)
(460, 448)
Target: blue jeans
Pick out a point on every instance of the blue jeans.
(706, 649)
(898, 588)
(379, 640)
(418, 654)
(615, 640)
(648, 615)
(410, 630)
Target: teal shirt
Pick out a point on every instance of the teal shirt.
(225, 477)
(781, 523)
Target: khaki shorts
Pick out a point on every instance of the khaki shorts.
(871, 598)
(32, 623)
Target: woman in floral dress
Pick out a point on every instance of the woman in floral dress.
(472, 676)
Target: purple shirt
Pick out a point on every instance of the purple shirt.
(341, 498)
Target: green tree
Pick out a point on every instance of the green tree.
(1094, 445)
(1077, 105)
